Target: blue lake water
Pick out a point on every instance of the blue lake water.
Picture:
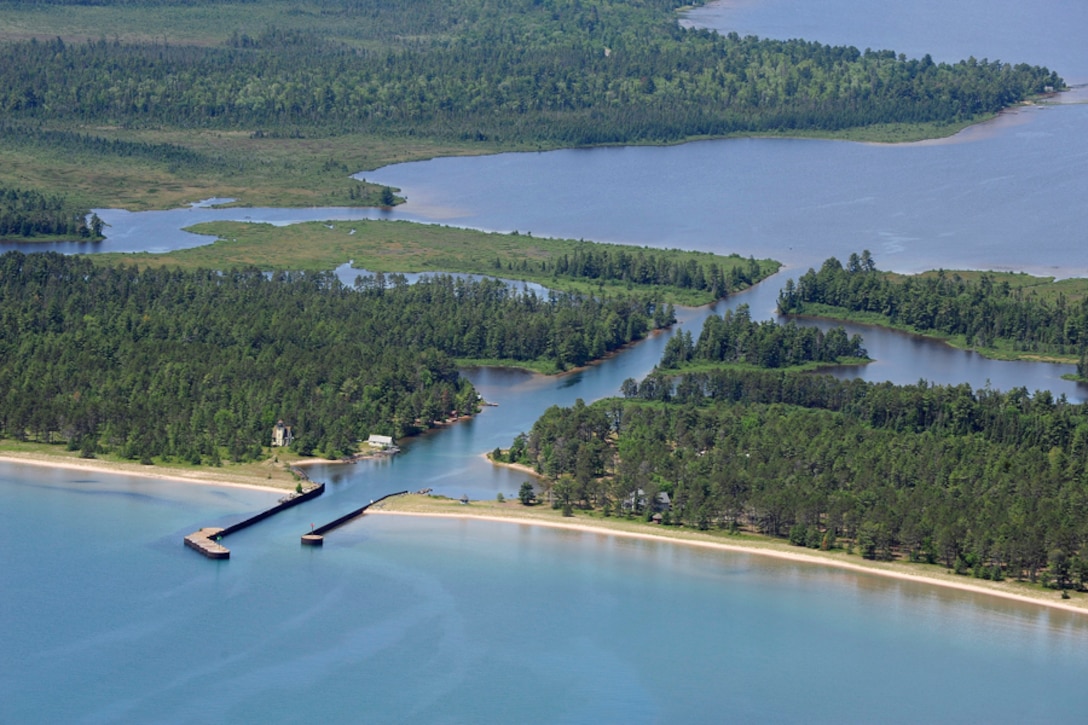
(1044, 32)
(106, 617)
(1007, 195)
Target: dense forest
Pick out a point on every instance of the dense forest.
(655, 268)
(562, 72)
(986, 313)
(197, 366)
(735, 338)
(26, 214)
(979, 481)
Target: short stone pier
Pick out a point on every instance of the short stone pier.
(317, 536)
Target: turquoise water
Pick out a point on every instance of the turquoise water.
(106, 617)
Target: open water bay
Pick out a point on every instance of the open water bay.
(419, 620)
(106, 617)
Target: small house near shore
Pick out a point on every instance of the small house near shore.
(382, 442)
(281, 435)
(637, 501)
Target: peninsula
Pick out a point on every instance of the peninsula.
(512, 512)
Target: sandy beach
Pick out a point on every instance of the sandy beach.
(204, 476)
(512, 513)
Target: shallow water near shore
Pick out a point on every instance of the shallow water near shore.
(421, 620)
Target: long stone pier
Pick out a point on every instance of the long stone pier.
(207, 540)
(317, 536)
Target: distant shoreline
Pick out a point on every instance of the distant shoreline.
(903, 571)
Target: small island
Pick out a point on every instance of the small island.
(385, 249)
(1001, 315)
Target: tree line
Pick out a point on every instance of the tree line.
(75, 143)
(197, 366)
(564, 329)
(647, 267)
(27, 213)
(986, 312)
(563, 72)
(735, 338)
(983, 482)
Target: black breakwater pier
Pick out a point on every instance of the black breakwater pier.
(317, 536)
(206, 540)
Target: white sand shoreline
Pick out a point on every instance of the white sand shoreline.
(797, 557)
(92, 466)
(208, 478)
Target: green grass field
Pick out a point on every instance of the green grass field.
(398, 246)
(281, 172)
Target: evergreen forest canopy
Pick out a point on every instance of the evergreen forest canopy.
(557, 72)
(986, 312)
(648, 267)
(195, 366)
(980, 481)
(29, 214)
(735, 338)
